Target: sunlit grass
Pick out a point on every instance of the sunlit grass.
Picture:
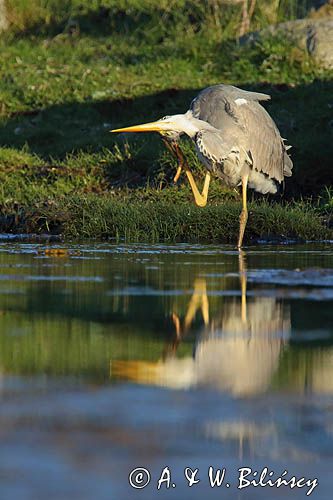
(154, 220)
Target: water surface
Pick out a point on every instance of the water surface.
(121, 356)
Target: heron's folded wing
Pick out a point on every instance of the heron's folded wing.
(232, 110)
(264, 141)
(212, 145)
(211, 101)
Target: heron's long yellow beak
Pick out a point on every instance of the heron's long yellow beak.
(145, 127)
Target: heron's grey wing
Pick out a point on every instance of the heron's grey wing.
(217, 95)
(213, 146)
(264, 142)
(210, 103)
(213, 105)
(230, 109)
(217, 105)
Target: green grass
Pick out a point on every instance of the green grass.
(72, 70)
(155, 220)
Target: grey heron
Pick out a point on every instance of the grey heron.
(235, 139)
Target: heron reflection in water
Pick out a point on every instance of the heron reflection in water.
(238, 350)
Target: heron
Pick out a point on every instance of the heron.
(235, 139)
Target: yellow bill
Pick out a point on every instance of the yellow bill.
(145, 127)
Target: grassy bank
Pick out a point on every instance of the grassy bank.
(72, 70)
(133, 220)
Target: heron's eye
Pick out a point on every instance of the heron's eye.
(165, 117)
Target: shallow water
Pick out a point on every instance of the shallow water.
(114, 357)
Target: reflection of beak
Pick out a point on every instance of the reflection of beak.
(135, 370)
(145, 127)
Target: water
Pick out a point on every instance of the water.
(114, 357)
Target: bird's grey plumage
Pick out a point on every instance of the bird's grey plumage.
(245, 136)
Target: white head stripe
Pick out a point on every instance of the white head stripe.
(240, 101)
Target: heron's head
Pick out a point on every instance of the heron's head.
(169, 126)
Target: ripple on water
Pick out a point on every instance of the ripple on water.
(35, 277)
(296, 277)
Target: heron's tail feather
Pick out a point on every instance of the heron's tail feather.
(256, 96)
(287, 165)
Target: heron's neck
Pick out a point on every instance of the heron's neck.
(186, 124)
(192, 125)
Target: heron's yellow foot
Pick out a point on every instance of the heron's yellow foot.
(199, 300)
(176, 177)
(200, 201)
(199, 198)
(176, 322)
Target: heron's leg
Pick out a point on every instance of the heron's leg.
(171, 348)
(200, 198)
(170, 146)
(181, 162)
(244, 214)
(177, 175)
(176, 151)
(242, 277)
(198, 300)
